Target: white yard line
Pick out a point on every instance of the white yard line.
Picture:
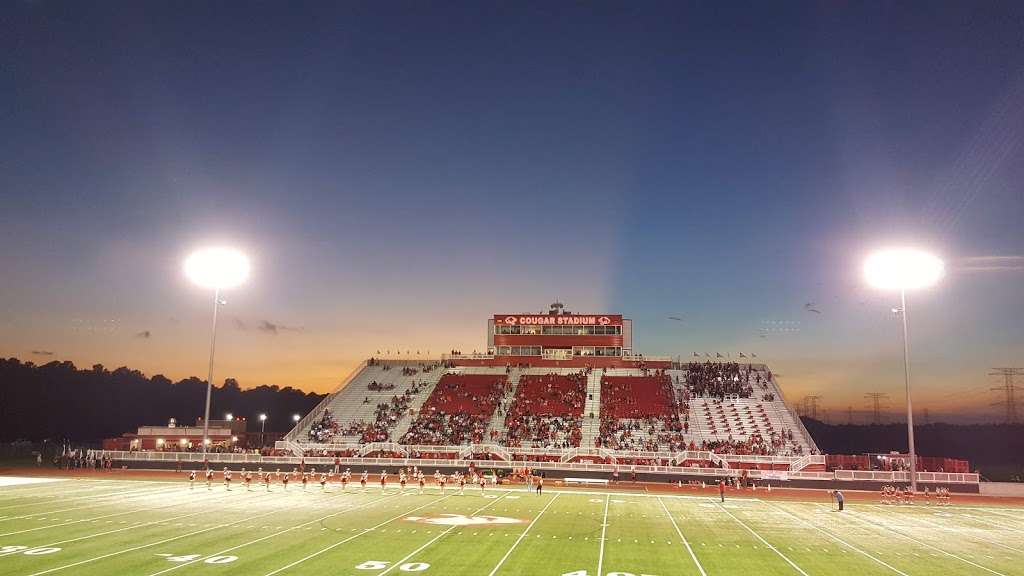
(838, 539)
(683, 538)
(129, 527)
(354, 536)
(758, 536)
(962, 532)
(523, 535)
(33, 491)
(439, 536)
(103, 494)
(94, 501)
(48, 526)
(140, 547)
(296, 527)
(920, 543)
(991, 523)
(604, 529)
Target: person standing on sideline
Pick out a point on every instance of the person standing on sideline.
(721, 489)
(839, 499)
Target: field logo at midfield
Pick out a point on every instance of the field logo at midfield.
(463, 520)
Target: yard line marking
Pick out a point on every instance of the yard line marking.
(685, 541)
(233, 548)
(357, 535)
(438, 537)
(523, 535)
(98, 500)
(53, 495)
(604, 528)
(925, 544)
(140, 547)
(93, 519)
(133, 526)
(838, 539)
(101, 496)
(991, 523)
(962, 533)
(758, 536)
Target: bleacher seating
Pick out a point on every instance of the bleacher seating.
(547, 410)
(458, 410)
(640, 413)
(727, 408)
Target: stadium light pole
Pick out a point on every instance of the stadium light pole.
(904, 269)
(263, 424)
(217, 268)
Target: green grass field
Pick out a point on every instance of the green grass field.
(149, 528)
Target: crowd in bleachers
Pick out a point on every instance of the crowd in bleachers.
(720, 379)
(547, 411)
(386, 416)
(379, 387)
(323, 429)
(458, 410)
(640, 413)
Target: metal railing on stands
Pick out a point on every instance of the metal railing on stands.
(190, 458)
(294, 433)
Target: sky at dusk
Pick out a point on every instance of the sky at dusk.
(400, 171)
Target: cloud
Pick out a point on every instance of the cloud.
(240, 324)
(274, 328)
(991, 264)
(144, 334)
(42, 353)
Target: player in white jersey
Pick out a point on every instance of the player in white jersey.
(227, 478)
(191, 479)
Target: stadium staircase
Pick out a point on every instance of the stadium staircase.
(591, 428)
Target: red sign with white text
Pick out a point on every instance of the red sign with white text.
(558, 319)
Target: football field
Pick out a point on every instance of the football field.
(122, 527)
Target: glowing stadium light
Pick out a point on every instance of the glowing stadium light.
(903, 269)
(263, 424)
(296, 417)
(229, 416)
(263, 417)
(182, 442)
(234, 438)
(159, 441)
(217, 267)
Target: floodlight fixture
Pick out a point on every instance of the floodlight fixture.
(905, 269)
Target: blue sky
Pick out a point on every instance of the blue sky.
(400, 171)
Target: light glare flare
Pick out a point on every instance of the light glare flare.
(217, 267)
(903, 269)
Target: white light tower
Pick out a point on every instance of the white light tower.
(216, 268)
(904, 269)
(263, 423)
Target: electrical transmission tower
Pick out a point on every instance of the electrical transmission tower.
(1010, 403)
(811, 406)
(876, 405)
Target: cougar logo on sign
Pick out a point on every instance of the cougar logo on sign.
(510, 320)
(604, 320)
(462, 520)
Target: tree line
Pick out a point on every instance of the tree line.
(60, 401)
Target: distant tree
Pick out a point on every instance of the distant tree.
(57, 400)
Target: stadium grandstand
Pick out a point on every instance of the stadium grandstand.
(565, 394)
(559, 386)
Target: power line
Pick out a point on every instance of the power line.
(811, 406)
(1010, 403)
(876, 405)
